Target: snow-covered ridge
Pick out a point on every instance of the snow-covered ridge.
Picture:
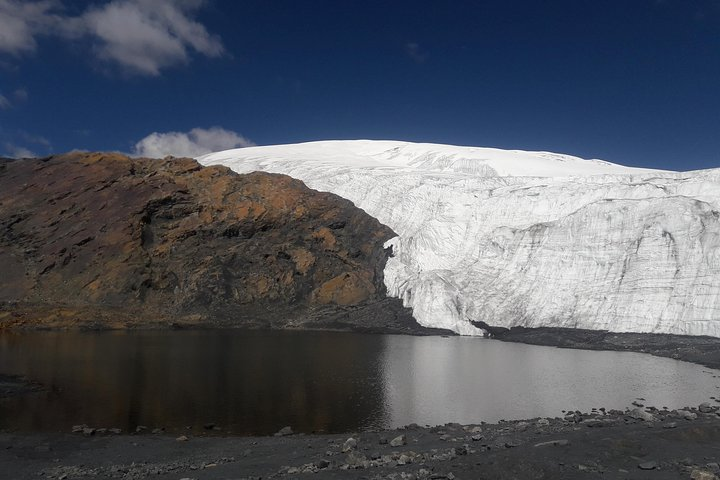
(428, 157)
(525, 238)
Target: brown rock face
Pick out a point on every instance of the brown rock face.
(103, 240)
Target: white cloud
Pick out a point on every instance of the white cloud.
(16, 151)
(194, 143)
(145, 36)
(21, 20)
(4, 102)
(139, 36)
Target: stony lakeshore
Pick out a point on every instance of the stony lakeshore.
(695, 349)
(638, 443)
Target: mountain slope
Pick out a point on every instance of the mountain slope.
(513, 238)
(103, 240)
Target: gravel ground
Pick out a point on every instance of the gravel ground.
(702, 350)
(639, 443)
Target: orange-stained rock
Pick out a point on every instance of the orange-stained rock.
(346, 289)
(327, 238)
(103, 240)
(303, 259)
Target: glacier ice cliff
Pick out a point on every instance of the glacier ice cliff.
(514, 238)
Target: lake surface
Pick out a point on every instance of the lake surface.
(249, 382)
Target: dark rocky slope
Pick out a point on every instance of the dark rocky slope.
(98, 240)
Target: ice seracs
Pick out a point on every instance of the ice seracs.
(514, 238)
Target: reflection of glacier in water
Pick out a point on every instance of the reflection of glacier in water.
(258, 382)
(431, 380)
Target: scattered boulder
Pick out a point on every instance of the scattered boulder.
(553, 443)
(357, 460)
(285, 431)
(79, 428)
(398, 441)
(404, 459)
(350, 444)
(697, 474)
(686, 415)
(640, 414)
(321, 464)
(651, 465)
(706, 408)
(461, 450)
(593, 423)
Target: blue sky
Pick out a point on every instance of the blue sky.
(630, 81)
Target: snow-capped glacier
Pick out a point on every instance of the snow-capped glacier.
(515, 238)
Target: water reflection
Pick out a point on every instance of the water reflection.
(437, 380)
(245, 382)
(257, 382)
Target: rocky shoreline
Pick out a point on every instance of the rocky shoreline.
(638, 443)
(695, 349)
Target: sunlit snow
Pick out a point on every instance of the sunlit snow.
(515, 238)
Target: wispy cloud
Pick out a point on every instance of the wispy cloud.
(37, 140)
(21, 21)
(194, 143)
(21, 144)
(414, 51)
(139, 36)
(16, 151)
(20, 95)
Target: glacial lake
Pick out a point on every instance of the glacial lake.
(251, 382)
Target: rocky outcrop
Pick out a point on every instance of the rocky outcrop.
(103, 240)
